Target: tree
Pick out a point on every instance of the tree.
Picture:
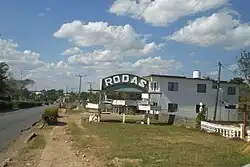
(237, 80)
(244, 64)
(4, 68)
(208, 78)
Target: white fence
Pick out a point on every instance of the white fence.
(92, 106)
(228, 131)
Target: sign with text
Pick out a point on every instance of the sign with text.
(120, 81)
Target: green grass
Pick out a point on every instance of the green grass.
(127, 145)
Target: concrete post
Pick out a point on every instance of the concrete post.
(123, 118)
(242, 131)
(148, 119)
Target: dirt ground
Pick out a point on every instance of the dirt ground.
(52, 147)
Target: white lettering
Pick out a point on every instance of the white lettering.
(142, 83)
(108, 81)
(134, 80)
(125, 78)
(116, 79)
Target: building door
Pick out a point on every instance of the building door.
(172, 110)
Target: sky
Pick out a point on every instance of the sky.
(53, 41)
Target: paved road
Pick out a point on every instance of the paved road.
(12, 123)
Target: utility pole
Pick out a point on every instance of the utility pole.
(90, 87)
(66, 90)
(80, 84)
(21, 87)
(90, 91)
(217, 91)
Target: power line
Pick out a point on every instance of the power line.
(227, 68)
(138, 16)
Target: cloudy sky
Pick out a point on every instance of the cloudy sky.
(53, 41)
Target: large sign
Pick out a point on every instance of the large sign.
(120, 81)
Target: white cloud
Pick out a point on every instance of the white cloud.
(41, 14)
(157, 65)
(219, 29)
(96, 64)
(94, 57)
(115, 42)
(163, 12)
(29, 62)
(102, 34)
(72, 51)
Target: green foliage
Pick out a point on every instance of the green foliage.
(244, 64)
(237, 80)
(50, 115)
(73, 106)
(5, 105)
(200, 117)
(25, 104)
(3, 77)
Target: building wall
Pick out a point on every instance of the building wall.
(187, 97)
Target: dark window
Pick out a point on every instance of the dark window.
(172, 107)
(230, 106)
(154, 86)
(231, 90)
(201, 88)
(198, 108)
(214, 86)
(173, 86)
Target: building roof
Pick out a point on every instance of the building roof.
(182, 77)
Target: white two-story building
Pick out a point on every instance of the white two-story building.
(183, 95)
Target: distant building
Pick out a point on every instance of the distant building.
(182, 96)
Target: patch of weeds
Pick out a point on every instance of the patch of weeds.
(30, 153)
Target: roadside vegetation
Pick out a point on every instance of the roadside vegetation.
(15, 95)
(29, 154)
(50, 115)
(119, 144)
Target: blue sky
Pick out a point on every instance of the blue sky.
(32, 24)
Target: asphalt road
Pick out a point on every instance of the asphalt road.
(11, 124)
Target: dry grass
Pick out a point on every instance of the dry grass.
(30, 154)
(168, 146)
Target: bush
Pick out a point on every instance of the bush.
(200, 117)
(50, 115)
(25, 104)
(4, 105)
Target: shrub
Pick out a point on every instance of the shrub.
(73, 106)
(50, 115)
(62, 105)
(200, 117)
(4, 105)
(25, 104)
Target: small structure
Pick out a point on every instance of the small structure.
(121, 83)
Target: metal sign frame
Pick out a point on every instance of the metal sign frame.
(121, 81)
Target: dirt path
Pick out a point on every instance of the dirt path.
(58, 151)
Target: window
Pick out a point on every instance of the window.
(172, 107)
(198, 108)
(173, 86)
(154, 86)
(231, 91)
(201, 88)
(214, 86)
(230, 106)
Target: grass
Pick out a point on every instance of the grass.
(127, 145)
(30, 153)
